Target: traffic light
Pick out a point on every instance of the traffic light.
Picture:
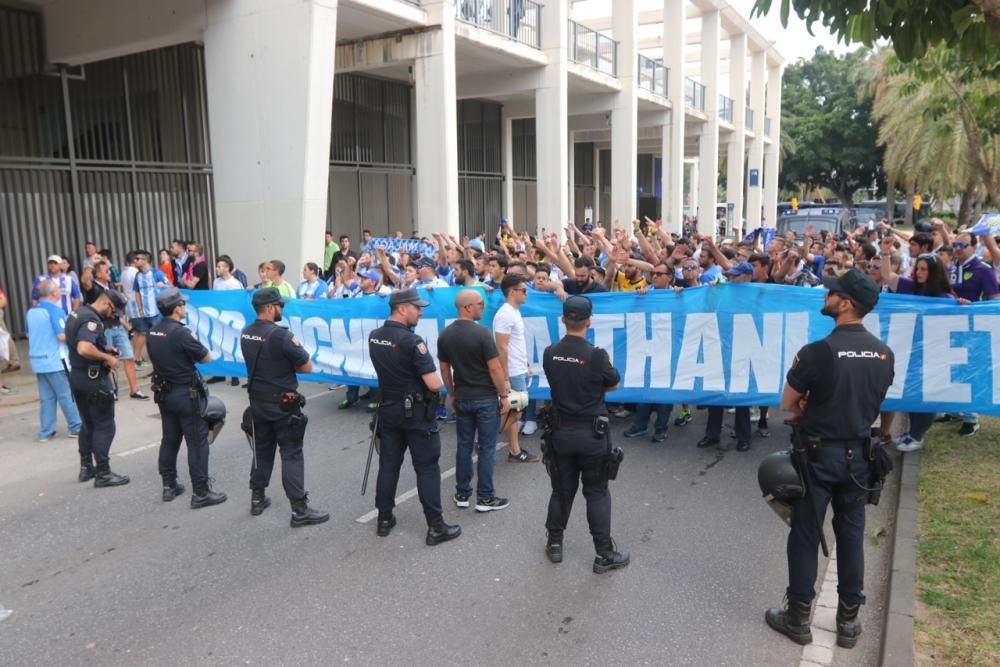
(917, 201)
(795, 203)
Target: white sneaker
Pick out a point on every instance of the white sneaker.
(529, 428)
(909, 444)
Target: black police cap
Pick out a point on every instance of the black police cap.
(169, 298)
(859, 287)
(577, 309)
(409, 295)
(266, 296)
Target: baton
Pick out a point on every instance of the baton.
(803, 456)
(371, 452)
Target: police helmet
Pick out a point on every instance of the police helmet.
(780, 483)
(215, 416)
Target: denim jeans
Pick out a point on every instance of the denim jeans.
(643, 412)
(54, 388)
(713, 427)
(476, 417)
(920, 423)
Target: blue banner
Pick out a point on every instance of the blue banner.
(726, 345)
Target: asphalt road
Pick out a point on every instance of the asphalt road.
(117, 577)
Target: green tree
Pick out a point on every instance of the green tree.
(913, 26)
(830, 125)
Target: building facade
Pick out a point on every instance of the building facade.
(253, 126)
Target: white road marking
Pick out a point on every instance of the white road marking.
(365, 518)
(130, 452)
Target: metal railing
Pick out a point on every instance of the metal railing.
(652, 76)
(520, 20)
(694, 95)
(749, 118)
(591, 48)
(767, 126)
(726, 108)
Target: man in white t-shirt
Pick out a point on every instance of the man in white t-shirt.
(508, 327)
(225, 281)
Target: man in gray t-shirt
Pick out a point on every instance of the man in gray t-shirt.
(477, 386)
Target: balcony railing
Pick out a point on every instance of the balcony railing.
(652, 76)
(694, 95)
(591, 48)
(767, 126)
(749, 119)
(726, 108)
(519, 20)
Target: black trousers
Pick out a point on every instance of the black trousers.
(579, 457)
(96, 413)
(180, 416)
(271, 435)
(421, 437)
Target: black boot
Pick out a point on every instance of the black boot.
(554, 547)
(792, 621)
(848, 625)
(258, 502)
(610, 560)
(303, 515)
(104, 477)
(386, 522)
(86, 470)
(171, 489)
(205, 496)
(438, 531)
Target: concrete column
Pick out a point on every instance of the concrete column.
(694, 183)
(269, 67)
(624, 115)
(597, 187)
(756, 159)
(507, 139)
(436, 113)
(571, 177)
(736, 155)
(708, 142)
(673, 134)
(552, 123)
(772, 150)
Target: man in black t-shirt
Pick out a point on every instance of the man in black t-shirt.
(474, 377)
(583, 281)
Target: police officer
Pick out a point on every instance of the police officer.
(91, 364)
(181, 395)
(835, 387)
(407, 415)
(273, 356)
(579, 375)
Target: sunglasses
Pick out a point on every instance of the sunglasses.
(959, 246)
(690, 268)
(659, 273)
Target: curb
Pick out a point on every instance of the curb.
(897, 640)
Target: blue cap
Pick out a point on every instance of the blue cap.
(370, 275)
(740, 269)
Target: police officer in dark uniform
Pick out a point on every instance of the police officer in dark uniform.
(179, 391)
(575, 435)
(91, 365)
(407, 415)
(836, 387)
(274, 420)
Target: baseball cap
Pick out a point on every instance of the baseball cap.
(169, 298)
(407, 296)
(370, 275)
(859, 287)
(424, 262)
(922, 227)
(740, 269)
(266, 296)
(477, 244)
(577, 308)
(54, 258)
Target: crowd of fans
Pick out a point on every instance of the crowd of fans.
(932, 261)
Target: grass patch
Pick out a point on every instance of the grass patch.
(958, 547)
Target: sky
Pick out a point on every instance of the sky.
(795, 41)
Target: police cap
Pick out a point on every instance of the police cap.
(116, 298)
(856, 285)
(407, 296)
(170, 298)
(577, 309)
(266, 296)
